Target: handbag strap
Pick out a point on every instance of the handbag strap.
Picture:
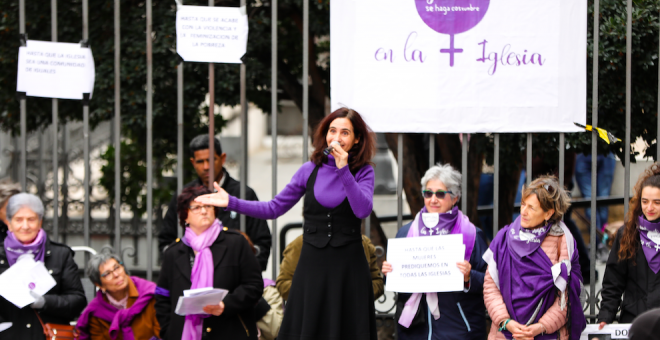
(43, 326)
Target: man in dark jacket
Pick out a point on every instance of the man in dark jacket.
(257, 229)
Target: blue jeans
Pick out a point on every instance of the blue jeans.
(605, 165)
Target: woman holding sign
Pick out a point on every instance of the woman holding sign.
(533, 283)
(331, 295)
(208, 255)
(452, 315)
(634, 263)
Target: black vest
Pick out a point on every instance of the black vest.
(338, 226)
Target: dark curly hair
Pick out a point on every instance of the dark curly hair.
(630, 237)
(361, 153)
(188, 195)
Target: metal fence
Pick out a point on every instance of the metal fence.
(274, 100)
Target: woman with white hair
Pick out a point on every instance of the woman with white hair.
(445, 315)
(25, 238)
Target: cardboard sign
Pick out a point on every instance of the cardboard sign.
(211, 34)
(55, 70)
(425, 264)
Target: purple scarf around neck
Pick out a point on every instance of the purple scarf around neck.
(461, 225)
(526, 280)
(446, 222)
(120, 320)
(202, 273)
(649, 234)
(14, 248)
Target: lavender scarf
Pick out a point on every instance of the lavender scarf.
(527, 278)
(649, 234)
(202, 273)
(14, 248)
(120, 320)
(452, 222)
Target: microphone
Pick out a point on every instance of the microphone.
(329, 149)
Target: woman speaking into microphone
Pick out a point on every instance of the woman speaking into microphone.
(331, 294)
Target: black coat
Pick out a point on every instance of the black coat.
(639, 283)
(236, 269)
(256, 228)
(64, 302)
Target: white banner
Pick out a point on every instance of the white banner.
(461, 65)
(425, 264)
(211, 34)
(610, 331)
(55, 70)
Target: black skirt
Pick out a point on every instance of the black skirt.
(331, 296)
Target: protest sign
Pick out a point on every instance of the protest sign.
(55, 70)
(610, 331)
(456, 66)
(211, 34)
(425, 264)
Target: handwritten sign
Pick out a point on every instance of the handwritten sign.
(211, 34)
(453, 66)
(610, 331)
(55, 70)
(425, 264)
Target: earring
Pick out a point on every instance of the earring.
(546, 223)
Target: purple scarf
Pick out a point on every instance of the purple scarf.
(14, 248)
(120, 320)
(202, 273)
(459, 224)
(649, 233)
(268, 282)
(527, 278)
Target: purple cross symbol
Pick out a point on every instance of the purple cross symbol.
(451, 50)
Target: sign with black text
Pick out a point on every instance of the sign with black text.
(55, 70)
(425, 264)
(211, 34)
(610, 331)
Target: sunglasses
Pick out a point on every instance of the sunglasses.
(440, 194)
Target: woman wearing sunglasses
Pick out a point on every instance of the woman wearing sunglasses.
(533, 283)
(454, 315)
(124, 305)
(331, 295)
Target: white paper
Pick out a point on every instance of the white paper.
(425, 264)
(387, 64)
(25, 275)
(616, 330)
(5, 325)
(211, 34)
(193, 301)
(55, 70)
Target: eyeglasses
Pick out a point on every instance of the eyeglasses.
(197, 209)
(440, 194)
(113, 271)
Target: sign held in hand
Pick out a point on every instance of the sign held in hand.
(211, 34)
(425, 264)
(55, 70)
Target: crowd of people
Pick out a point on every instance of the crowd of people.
(527, 279)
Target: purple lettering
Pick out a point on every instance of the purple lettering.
(508, 57)
(415, 52)
(539, 58)
(381, 55)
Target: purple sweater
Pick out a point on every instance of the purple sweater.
(331, 187)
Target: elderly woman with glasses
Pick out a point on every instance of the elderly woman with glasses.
(26, 239)
(455, 315)
(123, 307)
(208, 255)
(533, 283)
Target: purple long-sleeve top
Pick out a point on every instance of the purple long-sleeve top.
(331, 187)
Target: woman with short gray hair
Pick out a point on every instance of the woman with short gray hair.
(123, 304)
(7, 190)
(462, 312)
(26, 240)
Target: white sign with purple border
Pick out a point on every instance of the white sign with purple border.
(454, 66)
